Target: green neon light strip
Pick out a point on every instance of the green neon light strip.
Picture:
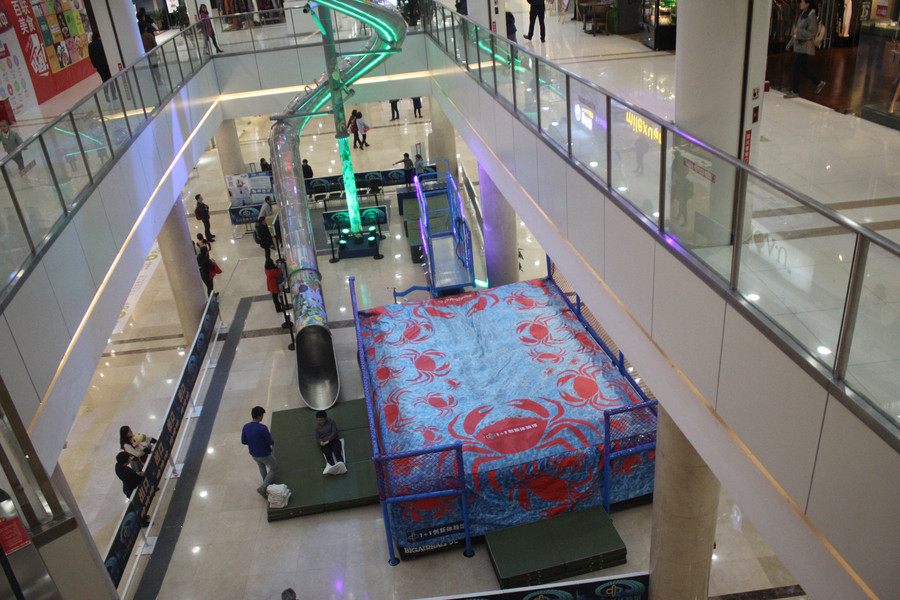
(72, 133)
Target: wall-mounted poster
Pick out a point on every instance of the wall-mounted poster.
(53, 36)
(15, 81)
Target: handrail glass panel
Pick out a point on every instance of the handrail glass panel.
(506, 59)
(470, 35)
(93, 138)
(699, 194)
(459, 38)
(67, 162)
(15, 245)
(486, 60)
(526, 88)
(116, 123)
(874, 365)
(554, 120)
(172, 64)
(795, 267)
(636, 144)
(36, 192)
(589, 127)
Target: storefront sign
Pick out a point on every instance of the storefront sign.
(643, 127)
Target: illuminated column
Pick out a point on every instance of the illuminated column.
(177, 253)
(685, 503)
(500, 252)
(229, 147)
(719, 83)
(118, 29)
(340, 120)
(442, 139)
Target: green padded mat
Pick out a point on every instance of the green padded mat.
(571, 544)
(300, 461)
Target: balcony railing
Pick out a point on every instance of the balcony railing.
(827, 286)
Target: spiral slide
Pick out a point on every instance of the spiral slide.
(317, 370)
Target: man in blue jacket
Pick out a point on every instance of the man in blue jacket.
(256, 436)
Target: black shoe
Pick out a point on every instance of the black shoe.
(527, 37)
(219, 51)
(145, 522)
(368, 144)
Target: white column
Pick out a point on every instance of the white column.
(499, 218)
(442, 139)
(685, 503)
(177, 252)
(229, 147)
(719, 77)
(119, 31)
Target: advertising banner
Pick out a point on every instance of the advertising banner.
(53, 36)
(14, 77)
(130, 527)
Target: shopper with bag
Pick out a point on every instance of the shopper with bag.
(353, 128)
(274, 278)
(208, 269)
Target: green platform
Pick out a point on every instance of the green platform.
(553, 549)
(300, 461)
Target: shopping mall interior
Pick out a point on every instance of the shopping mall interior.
(209, 525)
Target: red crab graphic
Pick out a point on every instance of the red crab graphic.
(553, 484)
(414, 332)
(432, 311)
(430, 435)
(519, 299)
(426, 364)
(628, 464)
(390, 408)
(384, 373)
(537, 428)
(586, 342)
(427, 509)
(584, 385)
(537, 331)
(547, 357)
(443, 405)
(482, 301)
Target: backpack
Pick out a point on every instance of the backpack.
(197, 213)
(820, 35)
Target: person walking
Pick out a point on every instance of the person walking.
(259, 441)
(273, 279)
(363, 128)
(803, 43)
(207, 269)
(11, 140)
(536, 12)
(264, 237)
(206, 27)
(201, 211)
(417, 107)
(266, 209)
(307, 170)
(101, 65)
(395, 110)
(353, 128)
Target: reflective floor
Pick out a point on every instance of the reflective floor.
(226, 549)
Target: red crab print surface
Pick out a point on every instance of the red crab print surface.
(428, 365)
(538, 331)
(537, 427)
(412, 331)
(561, 482)
(443, 405)
(390, 408)
(579, 387)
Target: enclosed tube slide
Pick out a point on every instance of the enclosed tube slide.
(317, 369)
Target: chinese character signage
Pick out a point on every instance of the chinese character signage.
(52, 36)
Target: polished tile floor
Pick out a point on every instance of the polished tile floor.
(226, 548)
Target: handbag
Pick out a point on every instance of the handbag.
(215, 269)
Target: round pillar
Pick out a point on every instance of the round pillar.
(500, 251)
(229, 147)
(176, 248)
(442, 139)
(117, 24)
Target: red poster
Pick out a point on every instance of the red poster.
(53, 36)
(12, 535)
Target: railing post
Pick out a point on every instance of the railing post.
(851, 306)
(105, 128)
(537, 90)
(740, 202)
(608, 142)
(663, 144)
(62, 201)
(568, 115)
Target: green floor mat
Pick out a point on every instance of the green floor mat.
(553, 549)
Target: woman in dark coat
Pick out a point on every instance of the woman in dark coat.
(207, 270)
(98, 59)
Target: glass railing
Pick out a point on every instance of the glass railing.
(827, 285)
(55, 169)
